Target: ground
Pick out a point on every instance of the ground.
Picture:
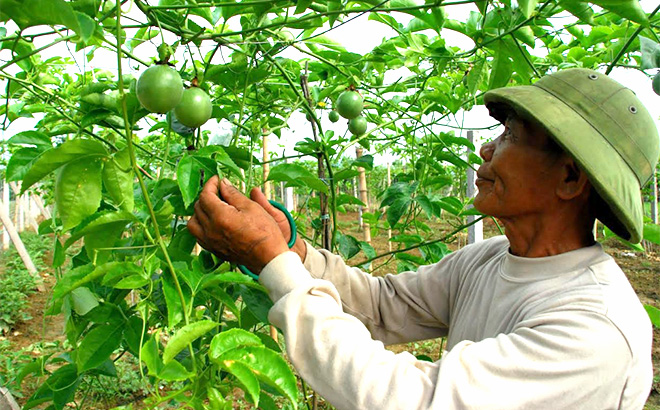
(643, 271)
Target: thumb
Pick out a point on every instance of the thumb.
(257, 196)
(232, 196)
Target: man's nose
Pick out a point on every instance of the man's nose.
(486, 151)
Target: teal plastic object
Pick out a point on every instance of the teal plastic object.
(292, 241)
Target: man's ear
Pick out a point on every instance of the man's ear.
(574, 181)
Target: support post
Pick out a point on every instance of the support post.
(20, 248)
(475, 231)
(5, 201)
(362, 178)
(389, 182)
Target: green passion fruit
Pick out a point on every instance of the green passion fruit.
(349, 104)
(656, 83)
(357, 126)
(159, 89)
(194, 109)
(333, 116)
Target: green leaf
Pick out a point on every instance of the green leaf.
(83, 300)
(257, 303)
(426, 205)
(192, 172)
(365, 161)
(629, 9)
(397, 209)
(85, 274)
(173, 300)
(347, 173)
(20, 163)
(475, 76)
(59, 387)
(654, 315)
(245, 377)
(102, 223)
(36, 138)
(97, 346)
(501, 70)
(579, 9)
(174, 371)
(297, 175)
(348, 245)
(231, 339)
(118, 179)
(132, 282)
(150, 356)
(54, 158)
(28, 13)
(78, 191)
(527, 7)
(184, 336)
(268, 366)
(652, 233)
(343, 199)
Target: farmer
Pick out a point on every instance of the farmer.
(540, 318)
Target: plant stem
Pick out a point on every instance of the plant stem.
(35, 51)
(629, 42)
(145, 192)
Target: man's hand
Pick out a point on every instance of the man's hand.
(236, 229)
(299, 247)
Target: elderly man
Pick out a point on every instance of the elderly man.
(540, 318)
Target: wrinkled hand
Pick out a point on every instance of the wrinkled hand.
(299, 247)
(234, 227)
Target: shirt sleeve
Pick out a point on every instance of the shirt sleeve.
(395, 308)
(564, 361)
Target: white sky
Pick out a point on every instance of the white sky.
(370, 34)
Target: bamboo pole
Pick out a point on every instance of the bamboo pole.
(389, 182)
(39, 203)
(20, 248)
(5, 201)
(362, 179)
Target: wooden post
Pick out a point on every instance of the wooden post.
(20, 248)
(475, 231)
(7, 401)
(362, 178)
(5, 201)
(39, 203)
(389, 182)
(356, 194)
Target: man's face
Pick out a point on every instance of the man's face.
(519, 174)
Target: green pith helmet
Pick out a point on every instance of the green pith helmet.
(604, 127)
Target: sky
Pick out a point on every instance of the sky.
(370, 34)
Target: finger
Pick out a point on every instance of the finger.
(210, 202)
(201, 217)
(195, 228)
(257, 196)
(233, 196)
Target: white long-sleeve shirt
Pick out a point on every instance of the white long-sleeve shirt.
(560, 332)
